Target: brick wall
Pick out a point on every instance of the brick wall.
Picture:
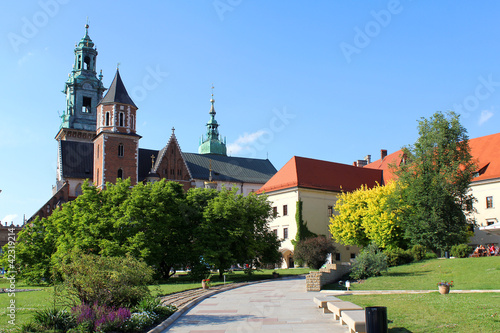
(329, 274)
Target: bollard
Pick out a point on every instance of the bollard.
(376, 319)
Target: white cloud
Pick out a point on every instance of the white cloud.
(9, 218)
(485, 116)
(244, 142)
(24, 59)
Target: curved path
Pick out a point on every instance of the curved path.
(280, 305)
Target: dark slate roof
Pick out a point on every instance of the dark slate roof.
(117, 92)
(145, 162)
(77, 159)
(230, 169)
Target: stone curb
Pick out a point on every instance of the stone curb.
(170, 320)
(388, 292)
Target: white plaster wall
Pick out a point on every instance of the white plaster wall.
(481, 190)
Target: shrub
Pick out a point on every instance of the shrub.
(418, 251)
(370, 262)
(49, 319)
(460, 250)
(313, 251)
(99, 318)
(108, 281)
(199, 271)
(397, 256)
(430, 255)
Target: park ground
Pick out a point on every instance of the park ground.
(431, 312)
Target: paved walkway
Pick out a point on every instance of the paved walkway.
(281, 305)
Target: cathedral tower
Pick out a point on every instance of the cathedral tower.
(116, 144)
(83, 92)
(213, 143)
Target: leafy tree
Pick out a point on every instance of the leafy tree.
(234, 229)
(435, 178)
(313, 251)
(368, 215)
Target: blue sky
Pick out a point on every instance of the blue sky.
(331, 80)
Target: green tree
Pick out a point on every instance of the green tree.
(234, 230)
(369, 215)
(435, 178)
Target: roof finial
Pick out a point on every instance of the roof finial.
(152, 161)
(87, 26)
(117, 66)
(173, 130)
(212, 99)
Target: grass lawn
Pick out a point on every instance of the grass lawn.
(27, 302)
(435, 312)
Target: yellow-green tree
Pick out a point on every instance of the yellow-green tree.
(369, 215)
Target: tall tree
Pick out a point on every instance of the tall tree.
(434, 179)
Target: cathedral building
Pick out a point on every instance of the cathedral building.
(97, 140)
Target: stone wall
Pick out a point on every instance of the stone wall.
(329, 274)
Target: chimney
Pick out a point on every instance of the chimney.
(368, 159)
(383, 153)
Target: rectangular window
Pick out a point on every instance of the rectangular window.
(86, 104)
(489, 202)
(353, 255)
(285, 210)
(330, 210)
(275, 211)
(275, 231)
(337, 256)
(285, 233)
(120, 150)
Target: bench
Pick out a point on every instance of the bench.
(355, 320)
(321, 302)
(337, 307)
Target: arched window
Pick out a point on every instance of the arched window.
(78, 190)
(120, 150)
(121, 119)
(87, 63)
(107, 119)
(120, 174)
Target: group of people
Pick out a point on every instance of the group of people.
(482, 251)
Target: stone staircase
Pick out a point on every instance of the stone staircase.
(329, 274)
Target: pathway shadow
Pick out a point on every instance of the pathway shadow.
(202, 319)
(399, 330)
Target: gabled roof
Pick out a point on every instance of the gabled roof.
(144, 164)
(228, 168)
(385, 163)
(117, 93)
(322, 175)
(77, 159)
(484, 151)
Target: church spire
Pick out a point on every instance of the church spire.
(213, 143)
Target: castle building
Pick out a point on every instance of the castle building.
(97, 140)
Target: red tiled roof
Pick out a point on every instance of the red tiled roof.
(385, 163)
(484, 150)
(322, 175)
